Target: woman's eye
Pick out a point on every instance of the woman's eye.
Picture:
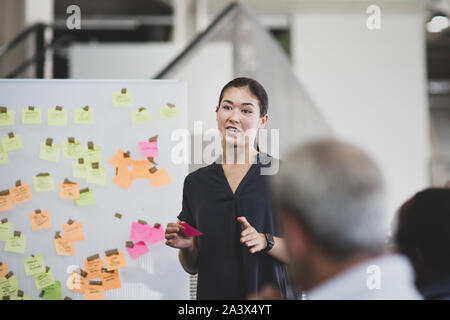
(227, 107)
(246, 111)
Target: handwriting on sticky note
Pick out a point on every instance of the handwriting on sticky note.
(40, 220)
(43, 183)
(31, 116)
(110, 279)
(168, 112)
(160, 178)
(69, 191)
(140, 116)
(16, 244)
(49, 152)
(93, 267)
(57, 117)
(77, 282)
(83, 116)
(3, 156)
(34, 265)
(9, 286)
(44, 279)
(6, 230)
(189, 231)
(157, 235)
(73, 232)
(92, 155)
(86, 198)
(6, 201)
(115, 261)
(122, 99)
(64, 247)
(21, 193)
(149, 149)
(94, 292)
(124, 178)
(79, 169)
(96, 176)
(140, 232)
(7, 118)
(72, 150)
(12, 143)
(139, 249)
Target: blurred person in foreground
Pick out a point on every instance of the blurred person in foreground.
(423, 235)
(331, 198)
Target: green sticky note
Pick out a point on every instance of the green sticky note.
(86, 198)
(79, 170)
(16, 244)
(121, 99)
(44, 279)
(9, 287)
(43, 183)
(57, 117)
(6, 230)
(167, 113)
(11, 144)
(34, 265)
(53, 292)
(138, 117)
(96, 176)
(7, 118)
(31, 116)
(24, 297)
(72, 150)
(94, 155)
(3, 155)
(49, 153)
(82, 116)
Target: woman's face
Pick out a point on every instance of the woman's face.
(238, 117)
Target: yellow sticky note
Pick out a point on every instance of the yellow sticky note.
(44, 279)
(83, 116)
(34, 264)
(96, 176)
(7, 118)
(9, 286)
(79, 170)
(3, 155)
(57, 117)
(92, 155)
(72, 150)
(49, 153)
(168, 112)
(16, 244)
(31, 116)
(140, 116)
(6, 230)
(121, 99)
(43, 183)
(86, 198)
(11, 144)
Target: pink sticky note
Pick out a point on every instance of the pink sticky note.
(140, 232)
(189, 231)
(157, 235)
(149, 148)
(138, 250)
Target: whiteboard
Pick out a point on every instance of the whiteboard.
(156, 275)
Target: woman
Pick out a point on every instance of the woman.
(240, 250)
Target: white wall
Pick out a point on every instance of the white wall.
(370, 85)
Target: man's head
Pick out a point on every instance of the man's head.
(332, 202)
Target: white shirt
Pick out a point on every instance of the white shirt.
(387, 277)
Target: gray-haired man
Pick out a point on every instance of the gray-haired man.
(331, 199)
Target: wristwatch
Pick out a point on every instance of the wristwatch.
(270, 242)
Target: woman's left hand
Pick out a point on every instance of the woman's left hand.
(250, 237)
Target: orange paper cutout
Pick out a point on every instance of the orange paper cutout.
(111, 280)
(64, 247)
(6, 202)
(73, 232)
(94, 292)
(118, 160)
(69, 191)
(159, 178)
(77, 283)
(93, 268)
(124, 178)
(3, 269)
(140, 169)
(40, 220)
(115, 261)
(21, 193)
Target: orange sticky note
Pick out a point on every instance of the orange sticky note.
(119, 160)
(21, 193)
(40, 220)
(159, 178)
(6, 202)
(111, 279)
(73, 232)
(140, 169)
(64, 247)
(77, 283)
(94, 292)
(69, 191)
(3, 269)
(124, 178)
(93, 267)
(115, 261)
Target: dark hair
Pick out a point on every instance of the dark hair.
(255, 88)
(423, 234)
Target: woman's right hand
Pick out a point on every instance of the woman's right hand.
(176, 239)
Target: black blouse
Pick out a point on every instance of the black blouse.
(226, 268)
